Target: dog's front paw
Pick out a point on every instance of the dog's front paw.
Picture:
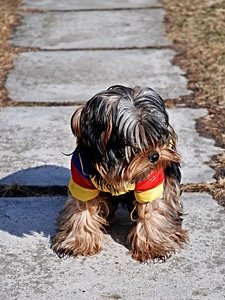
(145, 250)
(79, 229)
(76, 245)
(158, 233)
(147, 247)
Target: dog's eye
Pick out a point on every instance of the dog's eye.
(153, 157)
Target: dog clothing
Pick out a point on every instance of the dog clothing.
(84, 187)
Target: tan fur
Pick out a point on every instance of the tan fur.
(156, 235)
(80, 228)
(158, 232)
(75, 120)
(139, 167)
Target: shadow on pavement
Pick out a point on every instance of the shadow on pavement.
(32, 214)
(46, 175)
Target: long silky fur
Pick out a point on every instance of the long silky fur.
(80, 227)
(158, 231)
(117, 131)
(121, 124)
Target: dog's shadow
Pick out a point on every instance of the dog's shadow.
(121, 226)
(26, 214)
(30, 215)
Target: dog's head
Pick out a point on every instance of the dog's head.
(124, 133)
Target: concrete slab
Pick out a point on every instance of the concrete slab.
(92, 29)
(87, 4)
(44, 175)
(77, 75)
(196, 151)
(30, 270)
(33, 139)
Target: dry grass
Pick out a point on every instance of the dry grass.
(8, 21)
(197, 28)
(216, 190)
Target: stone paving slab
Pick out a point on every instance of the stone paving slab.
(64, 76)
(196, 151)
(87, 4)
(33, 139)
(30, 270)
(92, 29)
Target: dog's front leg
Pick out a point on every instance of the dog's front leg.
(157, 233)
(80, 227)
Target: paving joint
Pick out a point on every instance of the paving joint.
(39, 49)
(17, 190)
(14, 103)
(107, 48)
(30, 10)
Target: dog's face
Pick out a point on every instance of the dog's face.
(124, 133)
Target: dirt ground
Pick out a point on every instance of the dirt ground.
(197, 28)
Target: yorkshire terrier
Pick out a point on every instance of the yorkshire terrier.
(125, 146)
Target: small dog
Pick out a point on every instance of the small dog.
(126, 152)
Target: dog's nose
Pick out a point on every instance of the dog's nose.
(153, 157)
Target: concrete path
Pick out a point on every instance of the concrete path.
(80, 48)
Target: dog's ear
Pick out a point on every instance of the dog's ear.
(75, 121)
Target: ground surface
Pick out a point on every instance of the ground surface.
(33, 138)
(197, 30)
